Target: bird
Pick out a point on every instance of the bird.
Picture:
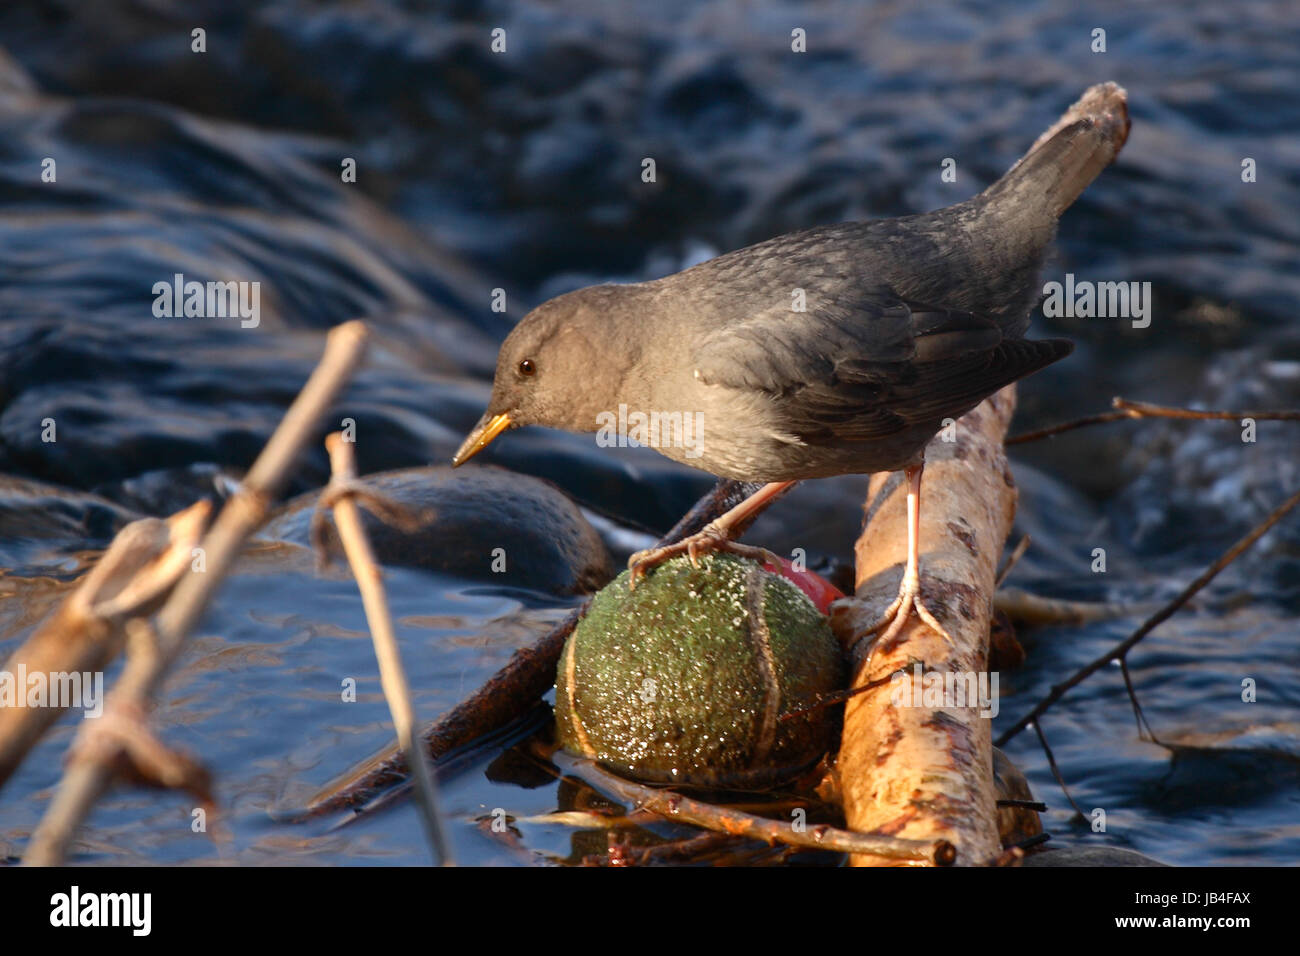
(839, 349)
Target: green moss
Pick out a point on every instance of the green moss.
(677, 681)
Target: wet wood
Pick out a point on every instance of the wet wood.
(926, 772)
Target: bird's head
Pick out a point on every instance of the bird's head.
(557, 368)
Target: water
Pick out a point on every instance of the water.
(521, 172)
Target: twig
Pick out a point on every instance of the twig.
(1127, 409)
(1014, 855)
(1119, 650)
(89, 777)
(675, 806)
(131, 579)
(1056, 770)
(1012, 560)
(692, 848)
(1036, 805)
(347, 517)
(1034, 609)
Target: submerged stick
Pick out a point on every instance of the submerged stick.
(339, 496)
(1022, 607)
(95, 755)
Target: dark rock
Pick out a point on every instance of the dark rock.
(1015, 824)
(34, 511)
(482, 523)
(1089, 856)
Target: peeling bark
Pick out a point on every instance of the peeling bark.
(926, 773)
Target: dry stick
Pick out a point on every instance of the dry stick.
(675, 806)
(1127, 410)
(131, 579)
(509, 694)
(1017, 553)
(1034, 609)
(89, 775)
(347, 518)
(1119, 650)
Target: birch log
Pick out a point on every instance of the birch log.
(926, 772)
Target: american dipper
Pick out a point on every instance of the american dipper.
(835, 350)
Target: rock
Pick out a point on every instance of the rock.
(1089, 856)
(683, 679)
(1015, 824)
(483, 523)
(39, 512)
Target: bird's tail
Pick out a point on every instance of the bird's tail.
(1070, 155)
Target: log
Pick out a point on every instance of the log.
(926, 772)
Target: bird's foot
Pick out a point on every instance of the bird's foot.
(710, 540)
(891, 623)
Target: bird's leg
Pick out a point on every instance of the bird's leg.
(715, 536)
(909, 592)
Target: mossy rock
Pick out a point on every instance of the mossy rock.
(683, 679)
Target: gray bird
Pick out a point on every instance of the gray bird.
(835, 350)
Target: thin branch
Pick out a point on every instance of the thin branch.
(1056, 771)
(1099, 419)
(674, 806)
(1125, 410)
(1138, 715)
(87, 778)
(1012, 560)
(1119, 650)
(1023, 607)
(347, 518)
(130, 580)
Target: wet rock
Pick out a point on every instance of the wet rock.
(684, 679)
(1089, 856)
(482, 523)
(37, 512)
(1015, 824)
(1240, 765)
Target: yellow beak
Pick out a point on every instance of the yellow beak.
(488, 428)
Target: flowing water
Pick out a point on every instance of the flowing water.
(521, 171)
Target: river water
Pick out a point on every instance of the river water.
(520, 171)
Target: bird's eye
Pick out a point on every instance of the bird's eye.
(526, 367)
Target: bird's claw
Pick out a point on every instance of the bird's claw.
(891, 623)
(709, 540)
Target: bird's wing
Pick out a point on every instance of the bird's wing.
(867, 368)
